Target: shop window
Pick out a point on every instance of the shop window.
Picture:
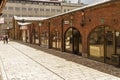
(56, 40)
(103, 43)
(117, 42)
(96, 43)
(68, 40)
(73, 41)
(44, 38)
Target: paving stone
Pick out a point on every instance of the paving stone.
(21, 62)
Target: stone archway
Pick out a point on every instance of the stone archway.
(73, 41)
(103, 44)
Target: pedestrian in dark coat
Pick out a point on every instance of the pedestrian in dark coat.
(5, 39)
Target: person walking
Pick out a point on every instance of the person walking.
(5, 39)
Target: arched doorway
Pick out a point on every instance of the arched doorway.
(103, 44)
(44, 38)
(56, 39)
(73, 41)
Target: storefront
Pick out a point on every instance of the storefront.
(56, 39)
(44, 39)
(73, 41)
(104, 42)
(92, 31)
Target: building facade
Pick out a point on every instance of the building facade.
(92, 31)
(31, 8)
(2, 5)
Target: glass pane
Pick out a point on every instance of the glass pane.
(80, 43)
(53, 43)
(109, 44)
(28, 36)
(110, 49)
(68, 40)
(59, 44)
(76, 36)
(44, 39)
(96, 41)
(56, 42)
(117, 42)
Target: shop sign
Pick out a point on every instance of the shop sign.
(66, 22)
(1, 20)
(23, 27)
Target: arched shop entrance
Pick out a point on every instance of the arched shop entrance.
(56, 40)
(44, 39)
(73, 41)
(104, 42)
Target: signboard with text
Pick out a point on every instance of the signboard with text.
(1, 20)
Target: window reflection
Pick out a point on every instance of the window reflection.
(36, 38)
(44, 38)
(110, 48)
(68, 40)
(104, 38)
(73, 41)
(56, 40)
(96, 41)
(117, 42)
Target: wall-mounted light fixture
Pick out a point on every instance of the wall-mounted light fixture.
(40, 24)
(71, 20)
(83, 13)
(71, 17)
(83, 18)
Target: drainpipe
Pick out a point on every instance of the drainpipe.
(49, 35)
(62, 36)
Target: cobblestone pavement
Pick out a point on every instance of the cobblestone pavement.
(21, 62)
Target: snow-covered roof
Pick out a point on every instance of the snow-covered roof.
(46, 1)
(23, 24)
(29, 18)
(84, 7)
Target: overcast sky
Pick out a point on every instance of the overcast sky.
(86, 1)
